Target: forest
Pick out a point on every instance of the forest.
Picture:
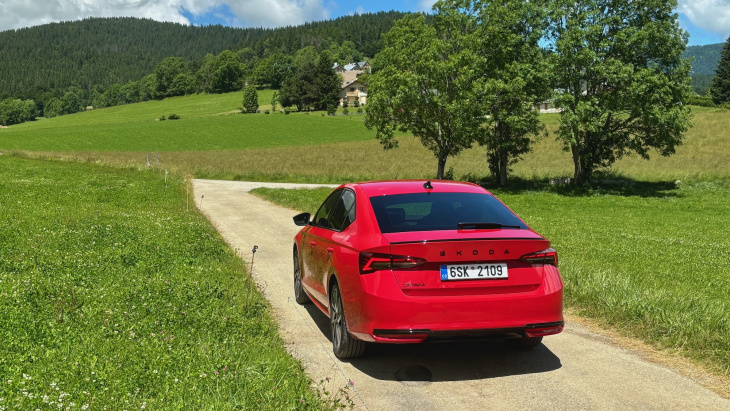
(105, 51)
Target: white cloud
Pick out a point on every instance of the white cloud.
(711, 15)
(268, 13)
(276, 13)
(426, 5)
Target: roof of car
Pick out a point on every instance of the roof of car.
(377, 188)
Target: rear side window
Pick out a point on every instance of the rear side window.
(344, 212)
(439, 211)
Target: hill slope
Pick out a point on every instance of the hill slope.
(104, 51)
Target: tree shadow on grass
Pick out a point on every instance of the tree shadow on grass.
(600, 186)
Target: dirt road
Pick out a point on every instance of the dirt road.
(577, 369)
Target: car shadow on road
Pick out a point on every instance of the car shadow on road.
(446, 361)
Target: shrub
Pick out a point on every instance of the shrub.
(250, 99)
(163, 118)
(173, 117)
(357, 103)
(344, 103)
(331, 109)
(702, 101)
(346, 111)
(359, 110)
(266, 112)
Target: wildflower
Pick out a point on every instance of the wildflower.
(351, 382)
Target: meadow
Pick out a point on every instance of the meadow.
(211, 140)
(115, 295)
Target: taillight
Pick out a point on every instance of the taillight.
(548, 256)
(371, 262)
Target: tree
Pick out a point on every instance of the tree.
(504, 35)
(622, 82)
(250, 99)
(274, 100)
(425, 86)
(720, 88)
(168, 75)
(313, 85)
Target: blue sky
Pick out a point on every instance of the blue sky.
(708, 21)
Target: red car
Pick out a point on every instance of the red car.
(415, 261)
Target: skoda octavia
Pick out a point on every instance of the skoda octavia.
(415, 261)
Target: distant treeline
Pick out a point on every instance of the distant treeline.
(106, 51)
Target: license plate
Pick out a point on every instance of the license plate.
(473, 272)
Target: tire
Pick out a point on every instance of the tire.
(525, 343)
(343, 344)
(299, 295)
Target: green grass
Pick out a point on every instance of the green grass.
(650, 259)
(303, 147)
(115, 295)
(208, 122)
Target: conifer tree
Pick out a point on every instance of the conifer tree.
(720, 88)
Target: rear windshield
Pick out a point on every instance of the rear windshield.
(439, 211)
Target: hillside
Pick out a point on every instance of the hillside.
(705, 58)
(104, 51)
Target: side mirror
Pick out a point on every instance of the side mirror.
(302, 219)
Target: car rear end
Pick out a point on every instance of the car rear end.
(458, 264)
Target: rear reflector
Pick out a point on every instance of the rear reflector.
(371, 262)
(541, 332)
(548, 256)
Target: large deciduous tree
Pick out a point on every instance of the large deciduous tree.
(172, 78)
(513, 74)
(720, 88)
(622, 82)
(425, 86)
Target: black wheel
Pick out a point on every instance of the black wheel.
(525, 343)
(299, 295)
(343, 344)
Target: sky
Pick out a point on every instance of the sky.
(707, 21)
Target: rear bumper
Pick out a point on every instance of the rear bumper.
(381, 312)
(424, 335)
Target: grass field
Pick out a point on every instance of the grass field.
(210, 142)
(115, 296)
(652, 260)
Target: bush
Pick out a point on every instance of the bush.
(346, 111)
(702, 101)
(331, 109)
(266, 112)
(359, 110)
(344, 103)
(250, 99)
(357, 103)
(173, 117)
(163, 118)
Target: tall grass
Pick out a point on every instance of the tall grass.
(209, 142)
(651, 259)
(115, 296)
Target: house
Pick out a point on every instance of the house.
(352, 88)
(354, 91)
(338, 68)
